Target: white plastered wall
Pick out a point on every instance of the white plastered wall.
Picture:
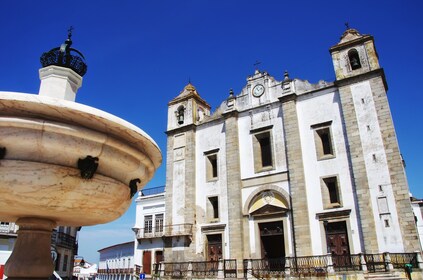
(316, 108)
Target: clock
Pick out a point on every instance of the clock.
(258, 90)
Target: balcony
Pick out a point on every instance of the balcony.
(164, 231)
(62, 239)
(153, 191)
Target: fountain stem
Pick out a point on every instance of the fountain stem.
(31, 256)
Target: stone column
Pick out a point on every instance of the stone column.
(330, 267)
(300, 213)
(363, 263)
(31, 256)
(235, 216)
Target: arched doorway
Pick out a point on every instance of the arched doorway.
(268, 209)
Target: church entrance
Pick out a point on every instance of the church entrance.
(272, 240)
(337, 239)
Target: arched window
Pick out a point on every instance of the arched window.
(180, 114)
(354, 59)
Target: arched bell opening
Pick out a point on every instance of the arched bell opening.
(354, 59)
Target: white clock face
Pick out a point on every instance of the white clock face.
(258, 90)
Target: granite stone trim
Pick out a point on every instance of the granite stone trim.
(235, 226)
(396, 168)
(300, 213)
(358, 171)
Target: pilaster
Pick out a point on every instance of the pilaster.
(395, 166)
(300, 213)
(358, 172)
(236, 236)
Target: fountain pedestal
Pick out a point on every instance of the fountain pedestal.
(31, 256)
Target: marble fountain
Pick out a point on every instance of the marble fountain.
(64, 163)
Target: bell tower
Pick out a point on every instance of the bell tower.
(355, 54)
(184, 113)
(186, 109)
(373, 145)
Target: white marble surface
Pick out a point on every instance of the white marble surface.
(45, 137)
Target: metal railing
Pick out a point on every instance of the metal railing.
(399, 260)
(175, 270)
(152, 191)
(196, 269)
(150, 232)
(346, 263)
(230, 268)
(115, 270)
(309, 266)
(169, 230)
(205, 269)
(266, 268)
(375, 262)
(62, 239)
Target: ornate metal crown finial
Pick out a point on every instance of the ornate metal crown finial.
(347, 25)
(65, 56)
(70, 32)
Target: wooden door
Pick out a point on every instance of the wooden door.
(214, 247)
(146, 262)
(337, 238)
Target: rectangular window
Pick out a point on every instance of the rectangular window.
(159, 222)
(323, 140)
(213, 208)
(148, 224)
(330, 192)
(212, 167)
(263, 155)
(65, 262)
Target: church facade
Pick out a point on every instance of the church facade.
(289, 168)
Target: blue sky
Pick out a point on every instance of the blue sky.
(140, 55)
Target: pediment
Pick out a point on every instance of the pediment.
(269, 209)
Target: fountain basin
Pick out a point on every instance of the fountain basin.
(45, 137)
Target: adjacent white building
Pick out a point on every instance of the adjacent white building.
(149, 228)
(117, 262)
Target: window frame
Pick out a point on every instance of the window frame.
(212, 165)
(148, 224)
(327, 192)
(322, 131)
(213, 213)
(259, 153)
(159, 223)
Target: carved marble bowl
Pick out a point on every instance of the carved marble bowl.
(42, 173)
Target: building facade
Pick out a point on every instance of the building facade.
(64, 246)
(149, 228)
(289, 168)
(8, 235)
(117, 262)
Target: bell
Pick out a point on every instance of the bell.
(354, 62)
(181, 117)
